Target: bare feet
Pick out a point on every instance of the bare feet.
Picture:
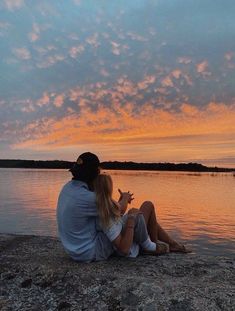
(162, 248)
(179, 248)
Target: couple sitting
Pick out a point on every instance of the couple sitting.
(92, 226)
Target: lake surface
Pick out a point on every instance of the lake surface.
(196, 208)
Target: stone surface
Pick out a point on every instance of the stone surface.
(36, 274)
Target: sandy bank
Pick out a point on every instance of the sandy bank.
(36, 274)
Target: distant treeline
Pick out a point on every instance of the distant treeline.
(115, 165)
(192, 167)
(35, 164)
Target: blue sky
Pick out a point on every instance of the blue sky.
(136, 80)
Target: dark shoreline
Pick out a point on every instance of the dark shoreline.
(116, 165)
(36, 274)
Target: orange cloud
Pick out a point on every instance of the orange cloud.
(44, 100)
(189, 110)
(191, 133)
(124, 87)
(59, 100)
(167, 82)
(146, 82)
(202, 68)
(175, 74)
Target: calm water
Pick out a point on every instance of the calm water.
(198, 209)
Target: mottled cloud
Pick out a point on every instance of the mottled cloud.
(230, 58)
(77, 2)
(35, 33)
(146, 82)
(136, 37)
(111, 77)
(104, 72)
(49, 61)
(44, 100)
(22, 53)
(176, 74)
(76, 50)
(184, 60)
(4, 27)
(202, 68)
(93, 40)
(13, 4)
(118, 48)
(190, 133)
(115, 48)
(59, 100)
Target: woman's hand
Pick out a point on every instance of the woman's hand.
(126, 196)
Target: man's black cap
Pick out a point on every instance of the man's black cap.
(88, 159)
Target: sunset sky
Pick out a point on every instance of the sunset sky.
(139, 80)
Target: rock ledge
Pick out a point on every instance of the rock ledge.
(36, 274)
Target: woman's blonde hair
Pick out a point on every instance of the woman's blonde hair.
(107, 208)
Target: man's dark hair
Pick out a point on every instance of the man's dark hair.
(86, 168)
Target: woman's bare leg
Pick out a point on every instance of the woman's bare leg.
(155, 231)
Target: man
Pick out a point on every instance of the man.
(77, 214)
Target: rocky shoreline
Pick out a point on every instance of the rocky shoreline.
(37, 275)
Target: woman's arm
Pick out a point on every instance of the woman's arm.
(125, 239)
(124, 200)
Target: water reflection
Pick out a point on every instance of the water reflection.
(195, 207)
(28, 200)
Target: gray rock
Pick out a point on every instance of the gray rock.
(36, 274)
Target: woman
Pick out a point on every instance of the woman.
(136, 231)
